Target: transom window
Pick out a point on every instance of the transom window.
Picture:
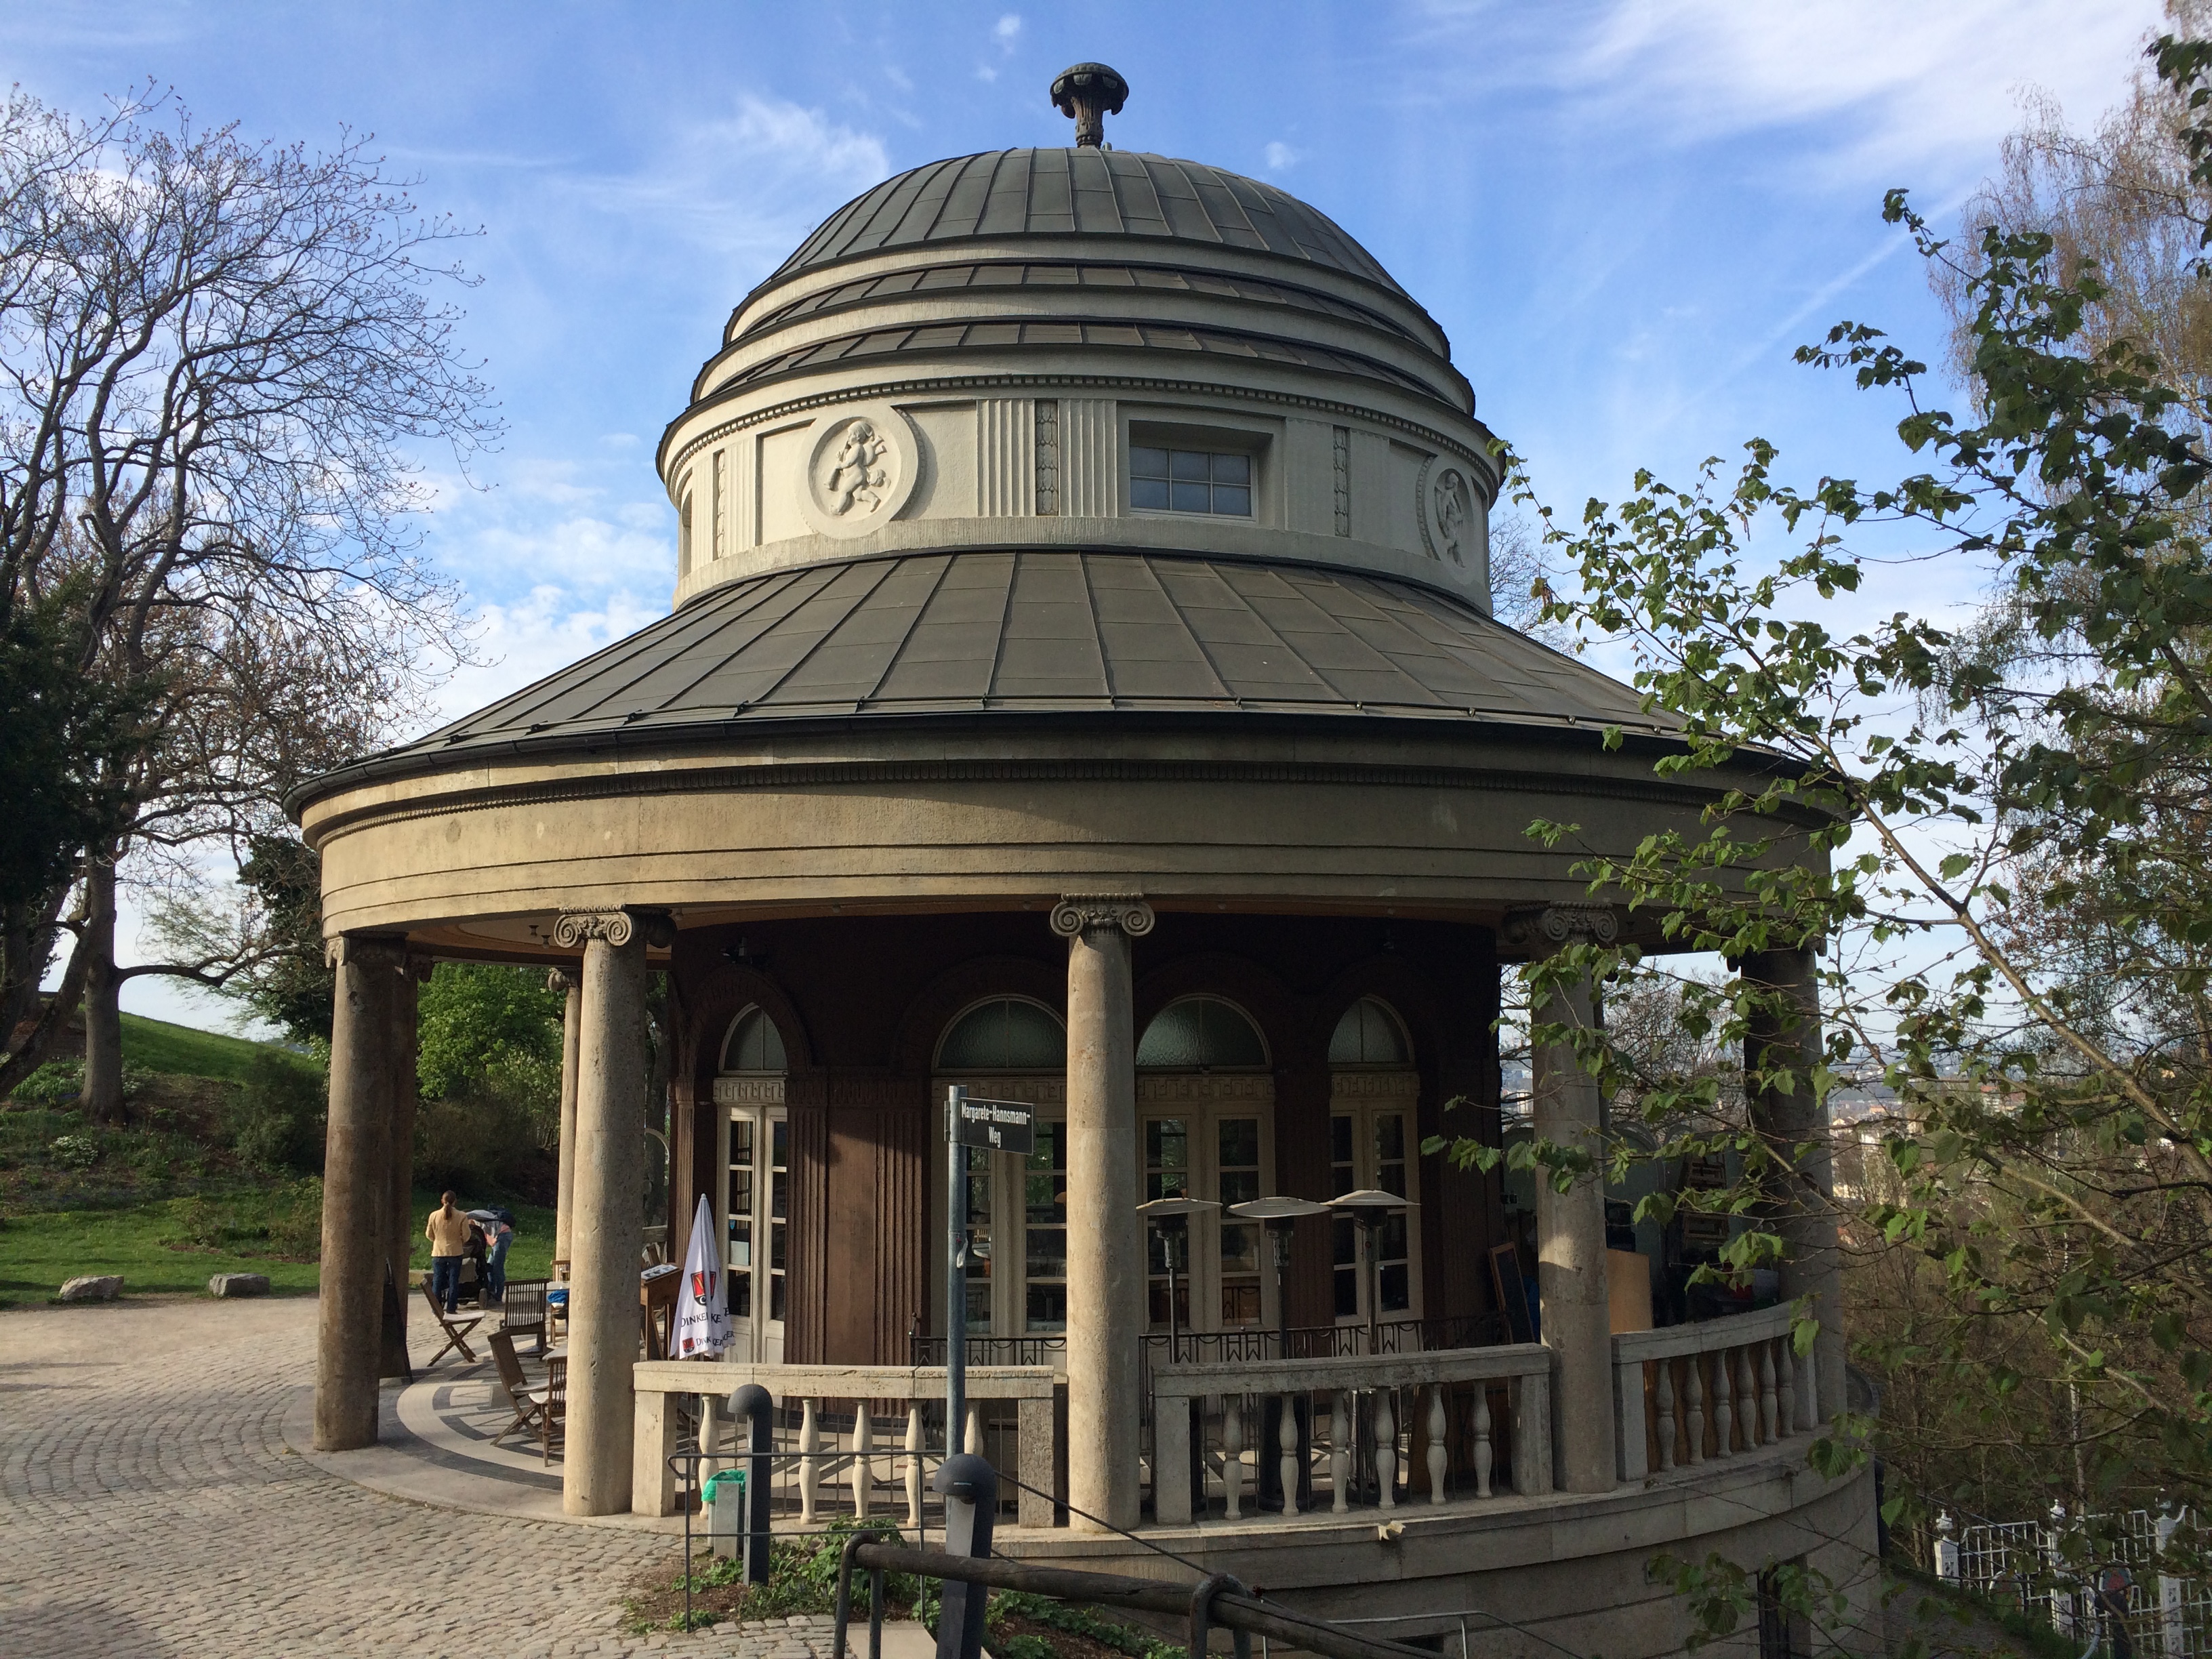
(1368, 1035)
(754, 1044)
(1198, 1034)
(1007, 1034)
(1190, 481)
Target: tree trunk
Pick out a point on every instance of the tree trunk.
(52, 1023)
(101, 1098)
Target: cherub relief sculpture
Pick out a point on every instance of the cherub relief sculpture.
(857, 479)
(1453, 510)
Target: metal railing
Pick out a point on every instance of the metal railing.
(1214, 1600)
(1246, 1345)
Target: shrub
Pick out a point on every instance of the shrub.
(296, 1220)
(76, 1152)
(53, 1084)
(203, 1224)
(480, 1144)
(276, 1117)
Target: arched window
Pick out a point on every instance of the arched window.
(1007, 1034)
(1369, 1035)
(1200, 1033)
(684, 533)
(754, 1044)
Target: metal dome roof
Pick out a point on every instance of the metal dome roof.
(1084, 192)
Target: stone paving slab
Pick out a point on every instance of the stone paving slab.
(149, 1506)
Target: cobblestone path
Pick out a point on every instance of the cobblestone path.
(149, 1506)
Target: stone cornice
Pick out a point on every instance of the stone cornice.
(830, 774)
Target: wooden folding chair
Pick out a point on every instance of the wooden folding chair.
(456, 1329)
(529, 1403)
(523, 1312)
(555, 1407)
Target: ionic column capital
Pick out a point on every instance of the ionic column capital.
(1558, 926)
(616, 927)
(371, 952)
(561, 981)
(1087, 913)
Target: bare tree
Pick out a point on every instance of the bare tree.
(219, 359)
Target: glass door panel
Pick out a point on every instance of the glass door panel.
(1044, 1205)
(1237, 1181)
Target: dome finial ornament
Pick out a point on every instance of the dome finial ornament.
(1088, 93)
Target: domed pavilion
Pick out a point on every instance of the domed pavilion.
(1082, 687)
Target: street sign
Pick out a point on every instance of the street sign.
(998, 1126)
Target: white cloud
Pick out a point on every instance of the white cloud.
(1006, 31)
(1923, 78)
(749, 184)
(1909, 82)
(1281, 156)
(537, 634)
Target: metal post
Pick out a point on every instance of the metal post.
(755, 1406)
(956, 1274)
(970, 1486)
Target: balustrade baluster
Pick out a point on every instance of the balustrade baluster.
(1786, 1386)
(1286, 1444)
(1743, 1401)
(1484, 1453)
(1724, 1413)
(913, 1466)
(1437, 1457)
(1663, 1397)
(1386, 1451)
(810, 1453)
(1339, 1442)
(1232, 1456)
(863, 1471)
(1693, 1401)
(1766, 1403)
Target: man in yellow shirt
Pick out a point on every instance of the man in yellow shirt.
(448, 1232)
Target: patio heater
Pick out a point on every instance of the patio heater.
(1170, 1218)
(1368, 1208)
(1281, 1216)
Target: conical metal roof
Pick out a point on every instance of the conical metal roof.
(1044, 633)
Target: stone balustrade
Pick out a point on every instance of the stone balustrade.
(1716, 1388)
(1340, 1431)
(885, 1448)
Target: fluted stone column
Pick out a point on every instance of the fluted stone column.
(1803, 1211)
(607, 1226)
(572, 1032)
(1105, 1239)
(357, 1191)
(1571, 1276)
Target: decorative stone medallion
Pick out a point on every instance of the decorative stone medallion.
(1449, 505)
(860, 469)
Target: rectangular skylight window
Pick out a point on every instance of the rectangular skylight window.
(1190, 481)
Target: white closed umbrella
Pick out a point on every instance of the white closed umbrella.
(702, 1312)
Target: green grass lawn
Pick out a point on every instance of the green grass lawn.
(155, 1045)
(149, 1245)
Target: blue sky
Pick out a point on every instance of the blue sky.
(1624, 215)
